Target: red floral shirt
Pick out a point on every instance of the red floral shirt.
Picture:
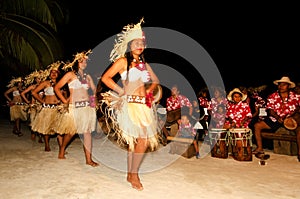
(220, 118)
(186, 130)
(238, 113)
(177, 102)
(213, 105)
(259, 101)
(283, 108)
(204, 102)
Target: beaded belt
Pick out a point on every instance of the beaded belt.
(80, 104)
(136, 99)
(20, 103)
(49, 105)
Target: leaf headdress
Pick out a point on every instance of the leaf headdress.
(129, 33)
(78, 57)
(13, 81)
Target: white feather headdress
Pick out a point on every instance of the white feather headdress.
(129, 33)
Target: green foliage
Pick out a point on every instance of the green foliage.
(28, 32)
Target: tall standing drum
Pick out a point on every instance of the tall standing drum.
(219, 141)
(241, 142)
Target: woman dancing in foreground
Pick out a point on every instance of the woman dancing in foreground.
(135, 117)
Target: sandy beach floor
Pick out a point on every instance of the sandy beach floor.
(27, 171)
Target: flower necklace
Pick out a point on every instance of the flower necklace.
(52, 83)
(141, 65)
(82, 79)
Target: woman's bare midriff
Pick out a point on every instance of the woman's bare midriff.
(51, 99)
(135, 88)
(80, 94)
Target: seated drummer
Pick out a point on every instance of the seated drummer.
(238, 112)
(280, 104)
(186, 130)
(175, 102)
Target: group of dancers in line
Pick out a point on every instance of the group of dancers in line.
(60, 100)
(53, 108)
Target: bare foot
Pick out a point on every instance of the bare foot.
(40, 140)
(129, 177)
(92, 163)
(47, 149)
(61, 155)
(257, 150)
(135, 183)
(33, 137)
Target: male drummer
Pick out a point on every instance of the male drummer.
(238, 114)
(174, 102)
(280, 104)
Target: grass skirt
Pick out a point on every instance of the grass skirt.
(132, 121)
(18, 112)
(33, 111)
(76, 120)
(45, 121)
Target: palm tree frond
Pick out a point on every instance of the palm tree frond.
(37, 10)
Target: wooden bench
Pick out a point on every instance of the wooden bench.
(179, 139)
(274, 136)
(284, 141)
(182, 146)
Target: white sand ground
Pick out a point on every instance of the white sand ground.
(27, 171)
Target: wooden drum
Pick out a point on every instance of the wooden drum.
(219, 141)
(241, 142)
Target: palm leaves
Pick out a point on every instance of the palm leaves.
(28, 32)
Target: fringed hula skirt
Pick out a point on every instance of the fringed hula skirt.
(132, 120)
(76, 120)
(45, 120)
(33, 111)
(18, 111)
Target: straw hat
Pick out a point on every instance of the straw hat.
(236, 90)
(286, 80)
(290, 123)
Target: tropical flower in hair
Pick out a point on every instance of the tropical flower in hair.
(129, 33)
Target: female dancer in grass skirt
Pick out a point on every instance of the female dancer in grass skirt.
(32, 81)
(17, 105)
(134, 112)
(80, 116)
(45, 120)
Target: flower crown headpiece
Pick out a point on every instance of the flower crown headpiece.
(13, 81)
(78, 57)
(129, 33)
(30, 78)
